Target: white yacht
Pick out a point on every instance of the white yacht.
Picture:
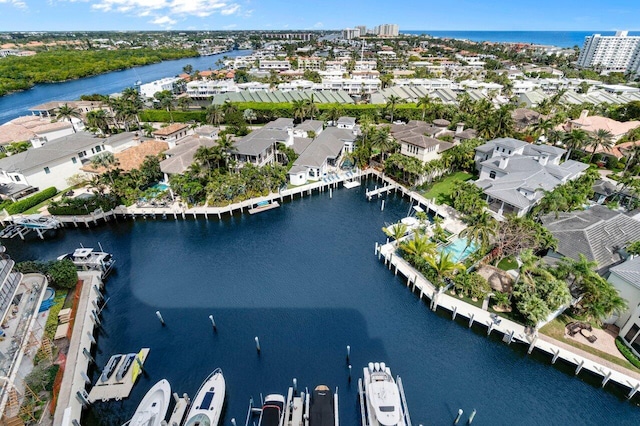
(382, 401)
(272, 410)
(153, 407)
(87, 259)
(206, 407)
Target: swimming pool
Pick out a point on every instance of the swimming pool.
(160, 187)
(460, 249)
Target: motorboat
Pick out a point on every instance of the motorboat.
(382, 400)
(206, 407)
(152, 410)
(272, 410)
(263, 206)
(88, 259)
(323, 407)
(126, 365)
(37, 221)
(108, 370)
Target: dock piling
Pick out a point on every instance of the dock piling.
(606, 378)
(633, 391)
(556, 354)
(471, 417)
(533, 345)
(455, 422)
(382, 206)
(454, 313)
(159, 315)
(86, 353)
(213, 323)
(91, 338)
(233, 421)
(257, 344)
(349, 373)
(348, 353)
(295, 386)
(86, 378)
(580, 365)
(470, 320)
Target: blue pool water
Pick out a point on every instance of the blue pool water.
(160, 187)
(459, 249)
(304, 279)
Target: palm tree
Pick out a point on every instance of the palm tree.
(542, 127)
(395, 231)
(424, 103)
(311, 106)
(575, 139)
(392, 102)
(603, 138)
(444, 265)
(482, 228)
(299, 109)
(333, 114)
(184, 103)
(214, 114)
(577, 270)
(65, 112)
(98, 119)
(249, 115)
(383, 141)
(106, 160)
(419, 246)
(633, 156)
(165, 99)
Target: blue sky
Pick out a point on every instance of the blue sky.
(32, 15)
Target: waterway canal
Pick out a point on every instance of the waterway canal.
(18, 104)
(304, 279)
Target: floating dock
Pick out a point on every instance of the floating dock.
(351, 184)
(113, 389)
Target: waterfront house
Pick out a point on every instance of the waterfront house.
(132, 157)
(601, 234)
(34, 129)
(322, 155)
(302, 130)
(259, 146)
(625, 277)
(55, 162)
(180, 158)
(417, 140)
(594, 123)
(515, 174)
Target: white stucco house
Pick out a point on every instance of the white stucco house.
(514, 174)
(625, 277)
(321, 156)
(53, 163)
(259, 147)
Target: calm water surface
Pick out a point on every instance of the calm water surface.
(18, 104)
(304, 279)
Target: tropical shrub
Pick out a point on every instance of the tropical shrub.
(63, 274)
(34, 200)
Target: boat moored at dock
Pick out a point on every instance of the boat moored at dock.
(323, 407)
(272, 410)
(108, 370)
(263, 206)
(382, 400)
(206, 407)
(152, 410)
(87, 259)
(125, 366)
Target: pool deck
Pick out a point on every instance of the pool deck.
(512, 331)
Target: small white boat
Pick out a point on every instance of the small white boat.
(206, 407)
(153, 408)
(382, 400)
(263, 206)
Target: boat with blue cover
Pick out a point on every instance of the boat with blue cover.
(206, 408)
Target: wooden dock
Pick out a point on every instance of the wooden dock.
(113, 389)
(180, 410)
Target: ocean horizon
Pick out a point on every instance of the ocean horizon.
(550, 38)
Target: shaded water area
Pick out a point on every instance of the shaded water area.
(304, 279)
(18, 104)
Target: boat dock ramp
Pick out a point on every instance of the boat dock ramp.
(511, 331)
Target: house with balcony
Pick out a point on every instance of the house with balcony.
(259, 147)
(625, 277)
(172, 133)
(514, 175)
(322, 155)
(417, 140)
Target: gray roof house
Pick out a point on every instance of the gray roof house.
(515, 174)
(180, 158)
(598, 232)
(258, 147)
(302, 130)
(53, 163)
(321, 155)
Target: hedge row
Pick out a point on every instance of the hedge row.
(34, 200)
(266, 112)
(79, 207)
(624, 350)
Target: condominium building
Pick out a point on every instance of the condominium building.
(618, 53)
(350, 33)
(386, 30)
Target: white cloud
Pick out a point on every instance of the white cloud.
(164, 21)
(318, 25)
(16, 3)
(165, 12)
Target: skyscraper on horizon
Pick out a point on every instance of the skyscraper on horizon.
(617, 53)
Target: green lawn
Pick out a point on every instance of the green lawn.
(508, 263)
(441, 190)
(556, 328)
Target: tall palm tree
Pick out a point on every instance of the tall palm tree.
(382, 140)
(65, 112)
(106, 160)
(395, 231)
(311, 106)
(249, 115)
(444, 265)
(633, 156)
(392, 102)
(299, 109)
(603, 138)
(575, 139)
(334, 113)
(480, 230)
(214, 114)
(542, 127)
(424, 103)
(98, 119)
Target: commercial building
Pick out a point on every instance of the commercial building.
(386, 30)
